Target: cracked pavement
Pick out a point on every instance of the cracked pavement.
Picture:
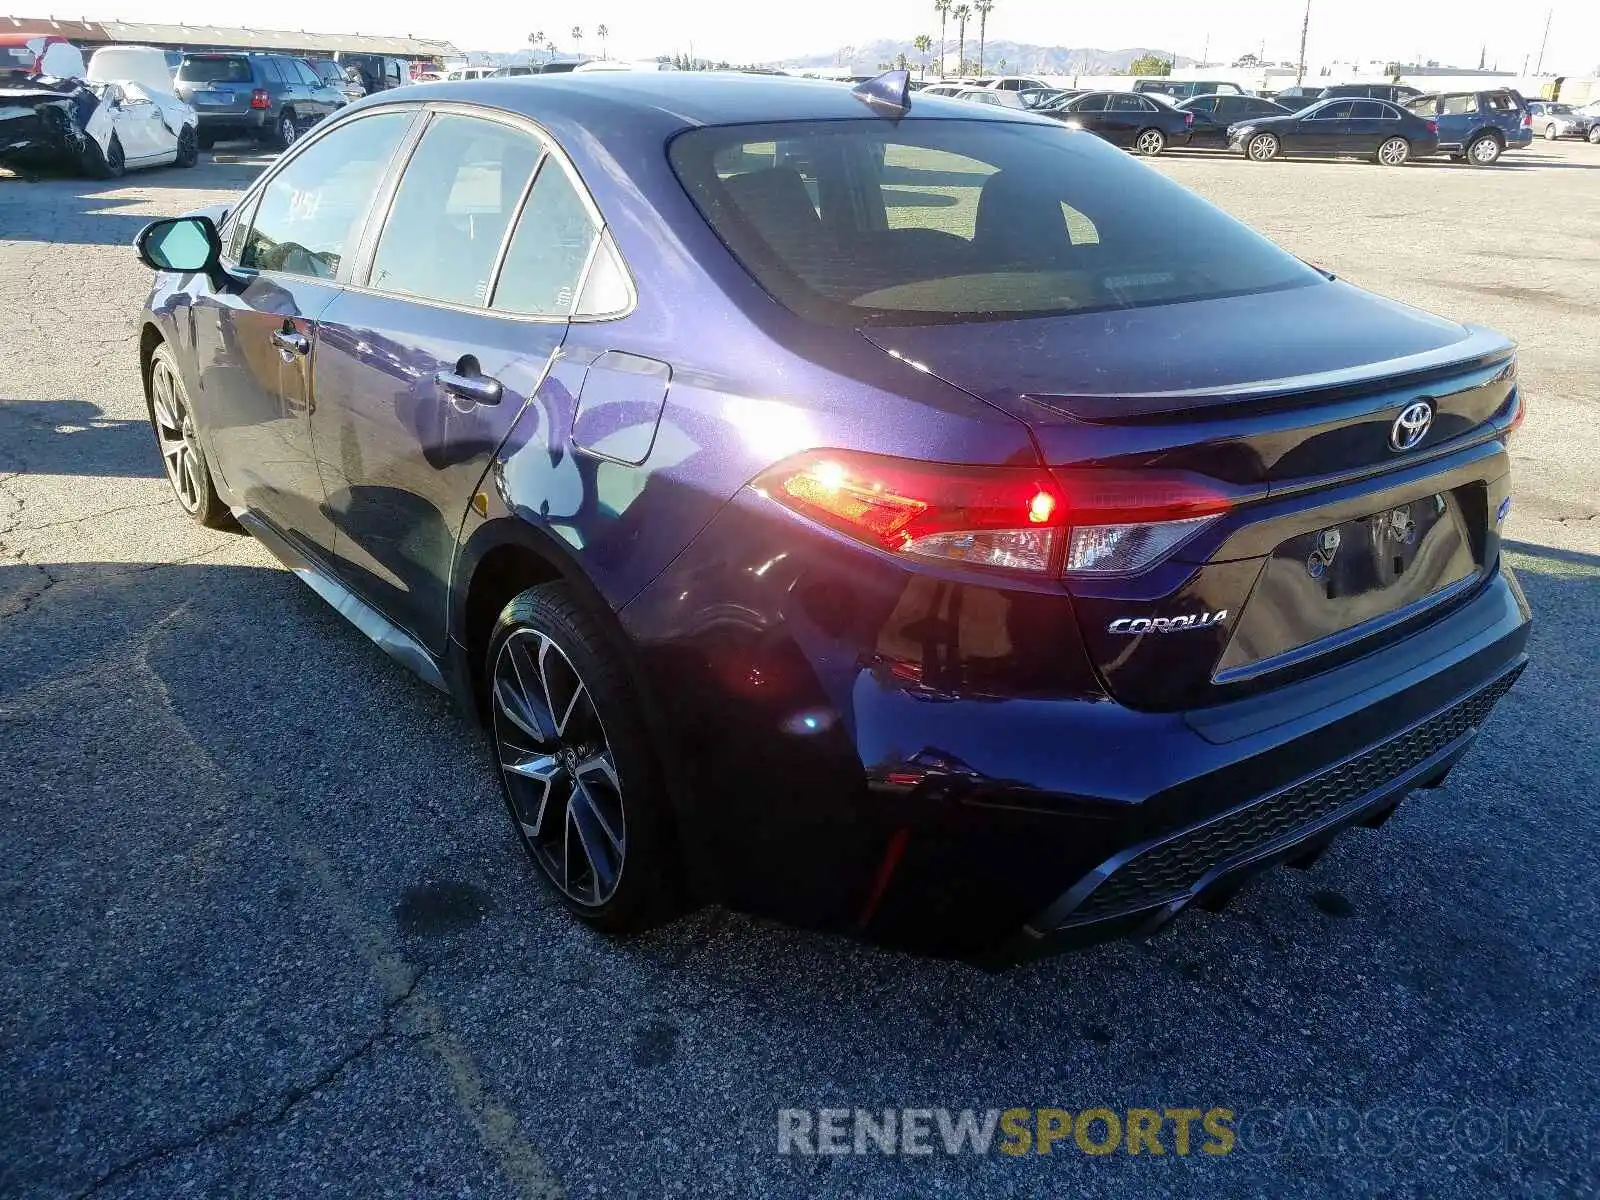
(264, 930)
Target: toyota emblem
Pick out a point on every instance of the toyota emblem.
(1411, 426)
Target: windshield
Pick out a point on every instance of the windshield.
(864, 222)
(215, 70)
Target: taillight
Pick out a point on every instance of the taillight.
(1014, 518)
(1433, 128)
(1527, 120)
(1124, 521)
(260, 99)
(1188, 118)
(1007, 517)
(1518, 416)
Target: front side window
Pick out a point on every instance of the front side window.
(1336, 110)
(861, 223)
(309, 214)
(455, 202)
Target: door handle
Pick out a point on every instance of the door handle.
(474, 389)
(291, 342)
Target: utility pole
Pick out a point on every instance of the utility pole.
(1305, 28)
(1205, 55)
(1539, 68)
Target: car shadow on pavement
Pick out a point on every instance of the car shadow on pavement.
(73, 437)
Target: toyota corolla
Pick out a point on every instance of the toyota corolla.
(871, 510)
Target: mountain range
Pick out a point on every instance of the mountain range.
(1020, 57)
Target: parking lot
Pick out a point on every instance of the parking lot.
(265, 929)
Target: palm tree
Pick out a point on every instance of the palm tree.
(601, 32)
(577, 39)
(982, 7)
(961, 12)
(535, 40)
(942, 7)
(550, 49)
(900, 62)
(923, 44)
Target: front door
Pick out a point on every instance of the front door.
(420, 376)
(255, 340)
(1325, 131)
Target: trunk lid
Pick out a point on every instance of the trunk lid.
(1287, 402)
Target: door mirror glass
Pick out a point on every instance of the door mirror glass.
(184, 244)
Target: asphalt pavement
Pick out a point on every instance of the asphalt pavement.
(264, 929)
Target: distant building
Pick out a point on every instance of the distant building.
(90, 35)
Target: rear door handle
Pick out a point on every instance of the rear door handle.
(291, 342)
(474, 389)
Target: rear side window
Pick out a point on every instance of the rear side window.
(454, 205)
(310, 212)
(860, 222)
(553, 240)
(1458, 106)
(234, 69)
(1501, 102)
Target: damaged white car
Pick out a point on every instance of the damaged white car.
(124, 115)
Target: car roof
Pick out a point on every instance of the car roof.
(685, 99)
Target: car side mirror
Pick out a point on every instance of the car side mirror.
(185, 244)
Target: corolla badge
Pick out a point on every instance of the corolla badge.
(1411, 426)
(1200, 620)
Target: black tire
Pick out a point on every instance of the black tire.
(1484, 150)
(205, 139)
(188, 148)
(286, 131)
(1594, 135)
(172, 422)
(109, 163)
(546, 645)
(1149, 142)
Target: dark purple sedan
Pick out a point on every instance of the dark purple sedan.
(884, 513)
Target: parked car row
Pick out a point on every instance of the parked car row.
(1469, 126)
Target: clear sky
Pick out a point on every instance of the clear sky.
(1451, 31)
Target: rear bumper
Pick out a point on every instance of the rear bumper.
(254, 121)
(962, 809)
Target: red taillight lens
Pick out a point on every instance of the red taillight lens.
(1527, 120)
(260, 99)
(1014, 518)
(1188, 118)
(1007, 517)
(1517, 417)
(1433, 128)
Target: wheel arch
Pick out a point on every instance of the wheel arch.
(500, 559)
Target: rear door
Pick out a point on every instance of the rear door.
(1370, 123)
(468, 290)
(1126, 115)
(1089, 112)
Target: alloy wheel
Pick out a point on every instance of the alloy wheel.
(1150, 142)
(1394, 152)
(560, 774)
(287, 131)
(180, 451)
(1263, 147)
(1485, 150)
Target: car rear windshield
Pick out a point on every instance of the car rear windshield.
(209, 69)
(865, 222)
